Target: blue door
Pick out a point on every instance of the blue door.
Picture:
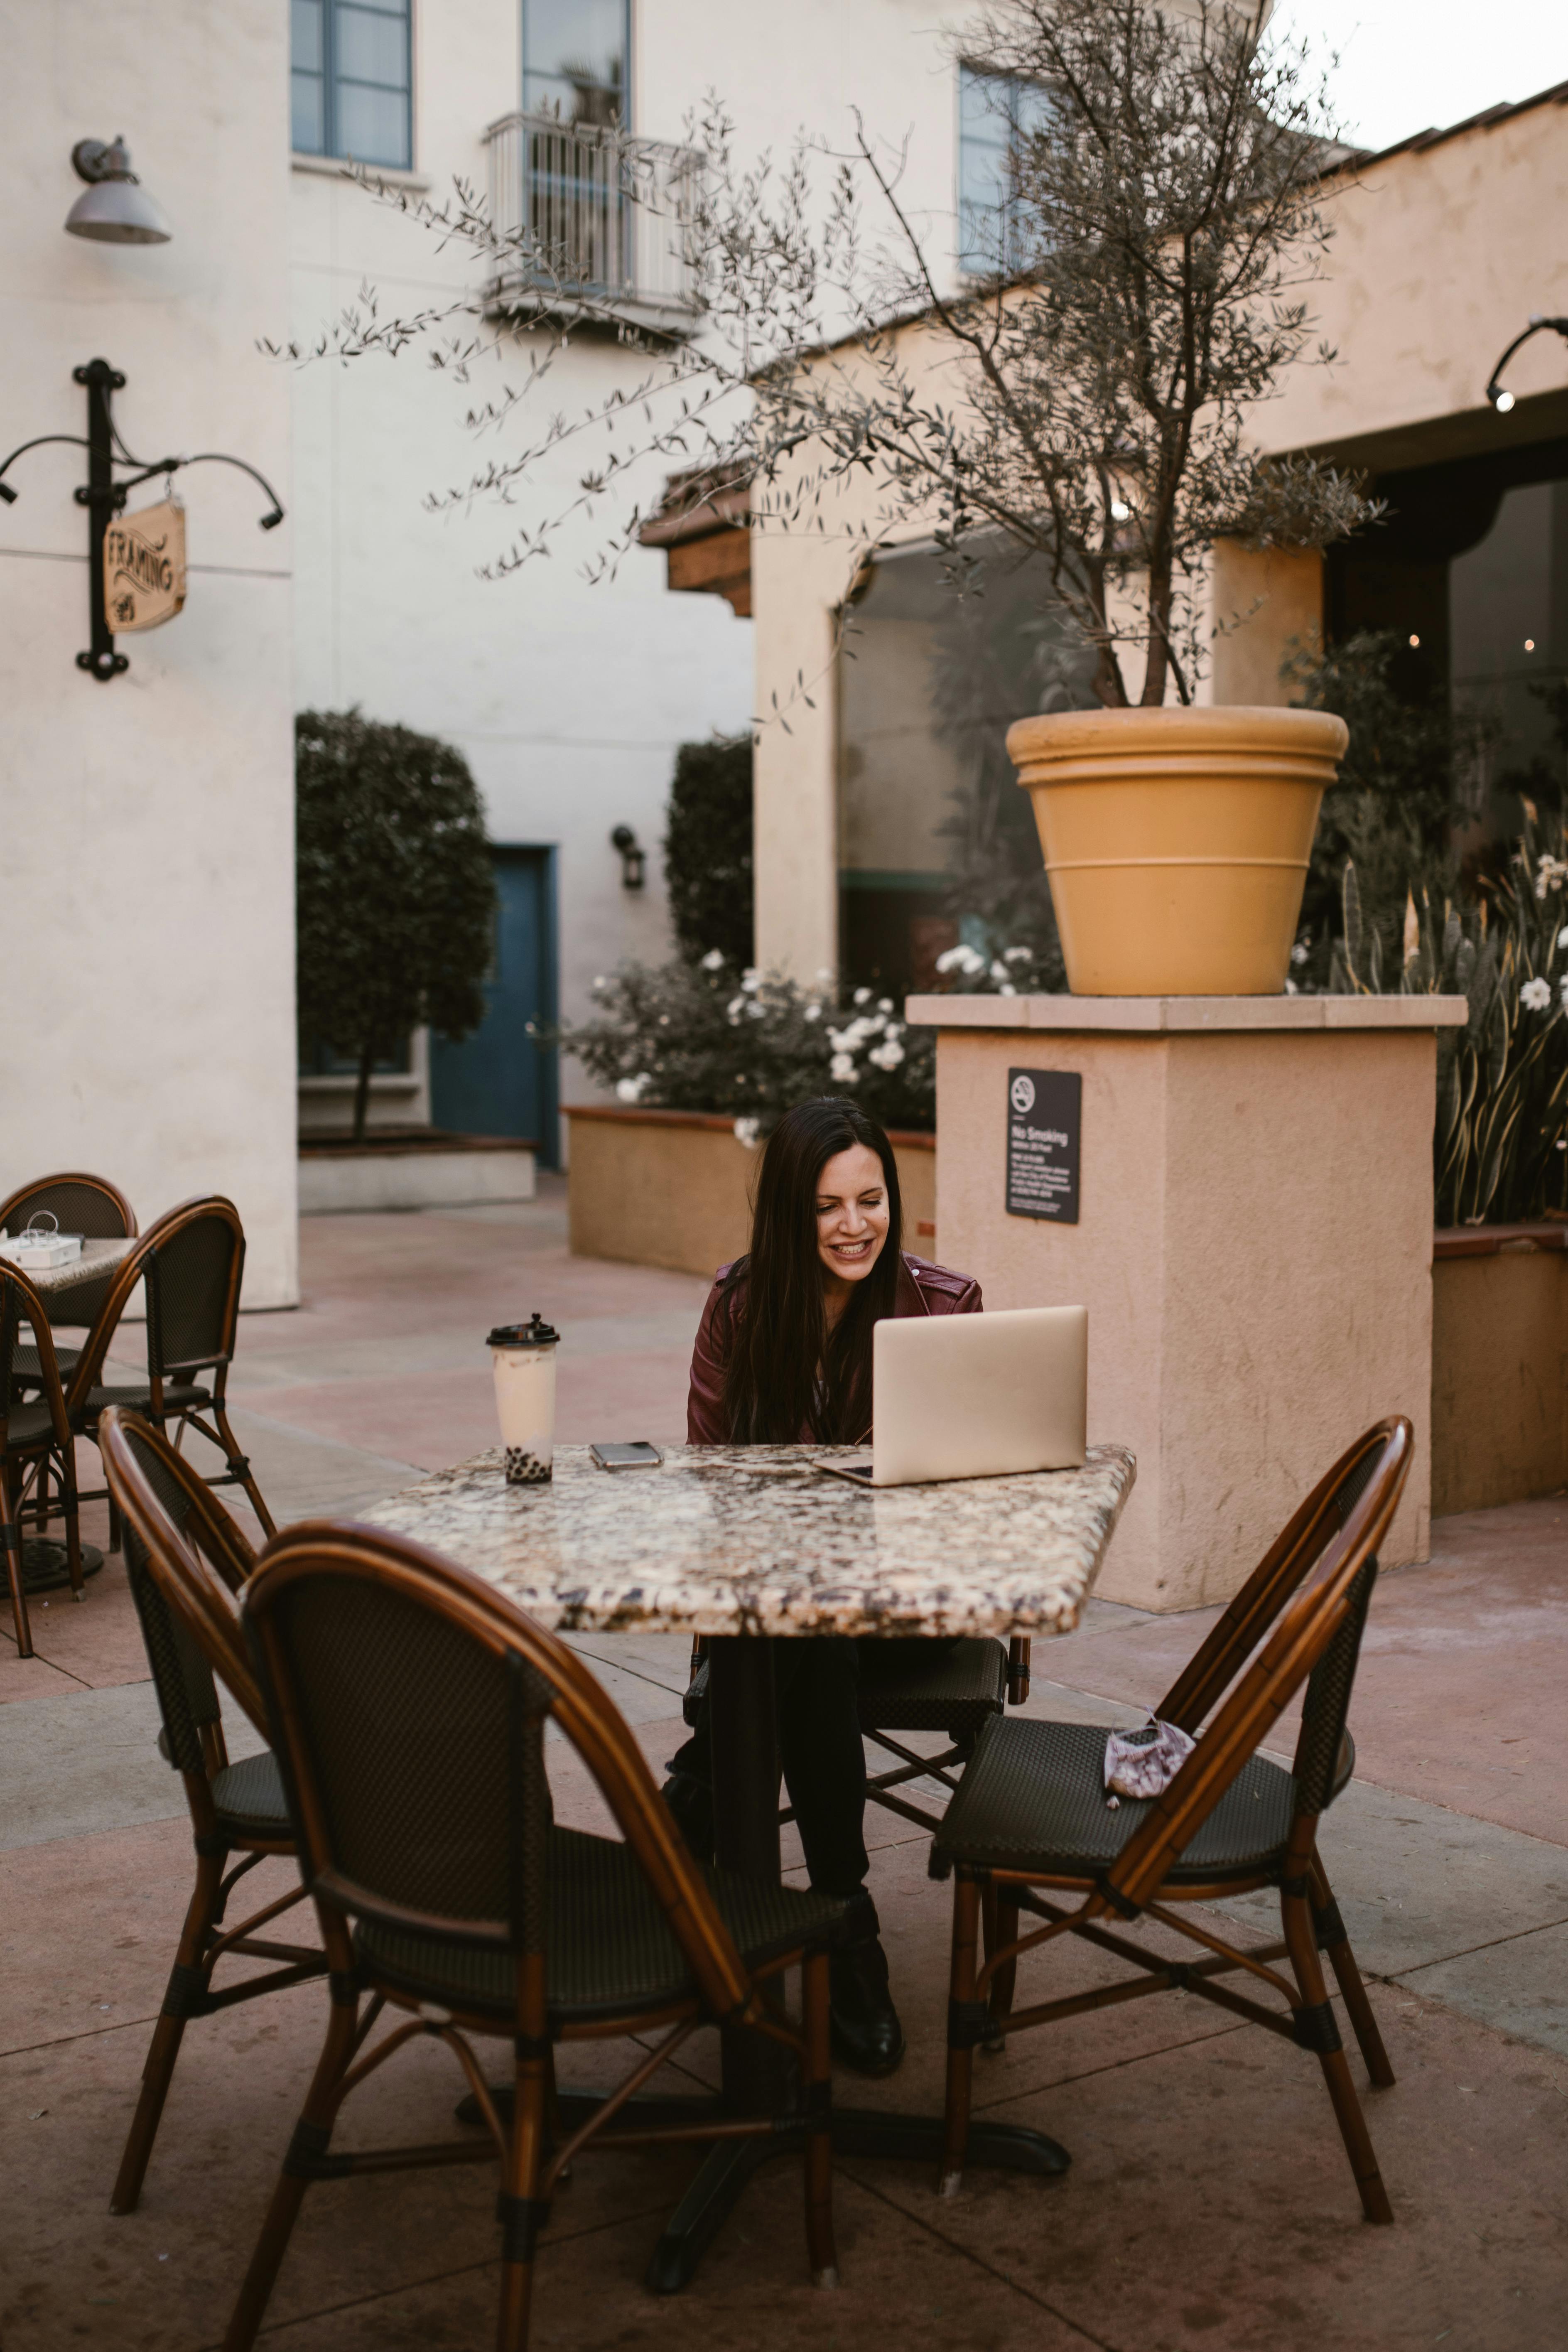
(499, 1081)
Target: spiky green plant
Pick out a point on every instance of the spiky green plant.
(1500, 1144)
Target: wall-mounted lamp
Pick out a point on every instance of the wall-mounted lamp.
(633, 857)
(116, 209)
(1503, 400)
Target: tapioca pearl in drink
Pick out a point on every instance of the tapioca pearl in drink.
(526, 1469)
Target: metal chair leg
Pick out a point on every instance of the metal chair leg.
(820, 2247)
(239, 1464)
(522, 2212)
(11, 1537)
(314, 2130)
(1302, 1944)
(1330, 1929)
(960, 2054)
(168, 2034)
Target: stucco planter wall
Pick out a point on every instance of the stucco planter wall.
(674, 1187)
(1500, 1366)
(447, 1172)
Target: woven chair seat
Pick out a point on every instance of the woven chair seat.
(179, 1396)
(925, 1686)
(28, 1371)
(26, 1424)
(250, 1798)
(610, 1947)
(1033, 1798)
(930, 1686)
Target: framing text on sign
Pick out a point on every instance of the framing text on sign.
(144, 567)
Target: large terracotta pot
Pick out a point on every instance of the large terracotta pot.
(1176, 841)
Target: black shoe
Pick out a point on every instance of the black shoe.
(691, 1801)
(867, 2034)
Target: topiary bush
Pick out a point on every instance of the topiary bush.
(394, 894)
(708, 849)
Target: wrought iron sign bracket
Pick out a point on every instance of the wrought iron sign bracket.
(104, 497)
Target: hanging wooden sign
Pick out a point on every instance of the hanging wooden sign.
(144, 567)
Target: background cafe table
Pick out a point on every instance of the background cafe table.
(53, 1284)
(43, 1559)
(745, 1542)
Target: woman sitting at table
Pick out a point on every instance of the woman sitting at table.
(784, 1357)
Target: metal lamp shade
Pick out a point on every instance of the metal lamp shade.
(118, 212)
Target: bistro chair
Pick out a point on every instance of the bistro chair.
(190, 1262)
(1031, 1814)
(187, 1562)
(89, 1205)
(36, 1437)
(950, 1687)
(411, 1702)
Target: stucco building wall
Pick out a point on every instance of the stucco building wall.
(146, 890)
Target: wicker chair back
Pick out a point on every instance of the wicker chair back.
(1327, 1558)
(20, 1304)
(409, 1704)
(187, 1562)
(90, 1205)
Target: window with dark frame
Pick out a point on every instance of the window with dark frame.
(995, 111)
(352, 81)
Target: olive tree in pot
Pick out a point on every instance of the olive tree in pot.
(1143, 298)
(395, 899)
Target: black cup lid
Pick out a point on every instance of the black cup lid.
(535, 1333)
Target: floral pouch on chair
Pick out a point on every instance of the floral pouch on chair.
(1143, 1763)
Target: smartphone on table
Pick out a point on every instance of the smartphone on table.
(640, 1457)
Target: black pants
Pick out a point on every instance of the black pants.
(816, 1682)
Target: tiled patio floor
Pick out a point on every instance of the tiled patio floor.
(1209, 2204)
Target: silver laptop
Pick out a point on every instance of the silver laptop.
(975, 1396)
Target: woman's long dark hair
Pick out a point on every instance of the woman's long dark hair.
(779, 1335)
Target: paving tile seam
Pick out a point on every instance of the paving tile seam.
(1493, 1942)
(1117, 2066)
(92, 2033)
(978, 2262)
(439, 2278)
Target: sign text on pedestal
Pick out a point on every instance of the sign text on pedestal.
(1045, 1110)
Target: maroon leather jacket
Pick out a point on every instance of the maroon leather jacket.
(923, 1289)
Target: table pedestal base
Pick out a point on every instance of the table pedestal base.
(43, 1567)
(726, 2169)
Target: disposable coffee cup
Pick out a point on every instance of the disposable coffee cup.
(523, 1356)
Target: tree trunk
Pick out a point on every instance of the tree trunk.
(361, 1085)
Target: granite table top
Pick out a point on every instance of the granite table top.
(753, 1539)
(97, 1259)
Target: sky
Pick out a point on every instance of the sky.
(1408, 64)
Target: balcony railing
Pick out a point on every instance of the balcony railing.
(597, 222)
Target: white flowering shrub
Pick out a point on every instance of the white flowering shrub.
(696, 1037)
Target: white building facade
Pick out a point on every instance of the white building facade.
(148, 884)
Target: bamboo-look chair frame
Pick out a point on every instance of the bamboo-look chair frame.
(1325, 1558)
(25, 1462)
(727, 1990)
(24, 1194)
(28, 1200)
(198, 1570)
(911, 1765)
(139, 1263)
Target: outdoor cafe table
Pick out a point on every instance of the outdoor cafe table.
(741, 1544)
(43, 1559)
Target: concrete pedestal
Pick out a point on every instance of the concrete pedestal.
(1254, 1245)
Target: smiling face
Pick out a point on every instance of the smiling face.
(852, 1217)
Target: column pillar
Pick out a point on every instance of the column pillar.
(1254, 1245)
